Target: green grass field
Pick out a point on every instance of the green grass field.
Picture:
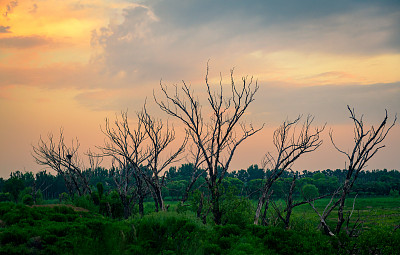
(69, 230)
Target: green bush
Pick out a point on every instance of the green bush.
(394, 193)
(27, 200)
(4, 197)
(237, 210)
(169, 231)
(86, 202)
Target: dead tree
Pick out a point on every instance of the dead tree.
(289, 204)
(37, 190)
(139, 150)
(127, 149)
(367, 142)
(197, 172)
(215, 135)
(65, 160)
(290, 145)
(160, 137)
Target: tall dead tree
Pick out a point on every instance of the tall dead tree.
(367, 142)
(65, 160)
(215, 135)
(290, 145)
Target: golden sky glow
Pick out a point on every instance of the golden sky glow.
(72, 63)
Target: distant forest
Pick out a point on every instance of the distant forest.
(46, 186)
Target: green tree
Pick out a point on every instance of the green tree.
(310, 191)
(14, 185)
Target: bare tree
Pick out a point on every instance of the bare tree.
(216, 136)
(126, 148)
(367, 142)
(138, 151)
(197, 171)
(290, 145)
(65, 160)
(289, 204)
(160, 136)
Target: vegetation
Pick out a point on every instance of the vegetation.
(139, 206)
(70, 230)
(100, 229)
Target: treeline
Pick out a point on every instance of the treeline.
(246, 182)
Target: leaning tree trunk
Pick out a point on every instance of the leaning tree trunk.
(261, 202)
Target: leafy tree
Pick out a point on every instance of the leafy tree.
(310, 191)
(254, 172)
(14, 185)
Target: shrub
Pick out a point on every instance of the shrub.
(237, 210)
(27, 200)
(169, 231)
(394, 193)
(86, 202)
(4, 197)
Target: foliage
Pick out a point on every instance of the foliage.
(310, 191)
(62, 230)
(5, 197)
(394, 193)
(27, 200)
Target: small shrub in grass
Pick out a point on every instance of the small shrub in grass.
(27, 199)
(169, 231)
(64, 210)
(394, 193)
(85, 202)
(6, 207)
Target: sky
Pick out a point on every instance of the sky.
(70, 64)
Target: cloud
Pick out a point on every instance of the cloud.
(23, 42)
(34, 8)
(10, 8)
(5, 29)
(173, 40)
(327, 103)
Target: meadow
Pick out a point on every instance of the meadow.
(68, 229)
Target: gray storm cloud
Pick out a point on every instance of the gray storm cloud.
(173, 40)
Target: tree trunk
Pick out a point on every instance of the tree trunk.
(216, 210)
(261, 202)
(126, 205)
(141, 207)
(290, 202)
(160, 200)
(342, 200)
(264, 218)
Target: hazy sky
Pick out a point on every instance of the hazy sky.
(73, 63)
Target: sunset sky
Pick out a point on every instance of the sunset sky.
(73, 63)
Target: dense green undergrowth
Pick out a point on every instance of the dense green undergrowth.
(61, 230)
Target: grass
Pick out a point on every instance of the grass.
(373, 211)
(63, 230)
